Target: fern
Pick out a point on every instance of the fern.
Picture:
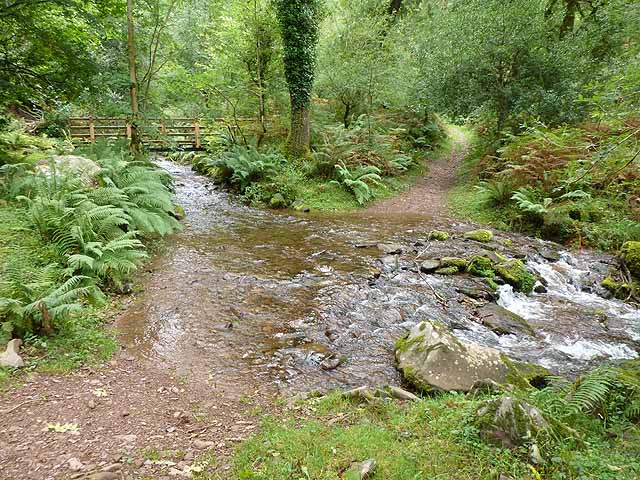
(526, 204)
(358, 181)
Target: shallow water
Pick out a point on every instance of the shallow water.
(277, 299)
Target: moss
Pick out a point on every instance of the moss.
(447, 270)
(516, 274)
(493, 285)
(523, 375)
(438, 235)
(403, 343)
(619, 289)
(479, 235)
(409, 375)
(178, 212)
(278, 201)
(481, 266)
(461, 263)
(630, 253)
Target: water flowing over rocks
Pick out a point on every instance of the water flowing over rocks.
(318, 301)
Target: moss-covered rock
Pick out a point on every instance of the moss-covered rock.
(300, 206)
(630, 253)
(620, 290)
(438, 235)
(510, 422)
(461, 263)
(515, 273)
(452, 270)
(178, 212)
(432, 358)
(481, 235)
(278, 201)
(481, 266)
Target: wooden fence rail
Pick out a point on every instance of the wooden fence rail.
(183, 132)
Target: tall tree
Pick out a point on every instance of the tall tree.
(133, 81)
(299, 23)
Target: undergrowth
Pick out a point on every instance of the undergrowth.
(594, 436)
(69, 239)
(576, 185)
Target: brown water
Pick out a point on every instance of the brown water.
(275, 299)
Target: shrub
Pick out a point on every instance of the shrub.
(358, 181)
(242, 166)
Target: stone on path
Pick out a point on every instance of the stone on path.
(390, 248)
(11, 357)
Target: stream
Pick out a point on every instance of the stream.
(301, 302)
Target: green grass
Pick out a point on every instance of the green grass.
(433, 438)
(466, 202)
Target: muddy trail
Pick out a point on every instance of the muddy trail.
(247, 306)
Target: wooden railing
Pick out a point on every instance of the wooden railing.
(181, 132)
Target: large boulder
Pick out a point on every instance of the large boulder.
(431, 358)
(81, 167)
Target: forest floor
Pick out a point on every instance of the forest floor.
(137, 418)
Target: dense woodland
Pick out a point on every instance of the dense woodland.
(323, 105)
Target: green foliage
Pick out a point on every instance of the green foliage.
(89, 231)
(551, 182)
(358, 181)
(611, 393)
(240, 167)
(328, 434)
(359, 145)
(299, 24)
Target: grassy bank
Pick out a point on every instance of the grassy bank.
(346, 168)
(592, 434)
(575, 185)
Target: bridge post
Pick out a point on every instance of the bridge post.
(196, 130)
(92, 130)
(128, 125)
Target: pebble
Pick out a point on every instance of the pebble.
(75, 464)
(114, 467)
(203, 444)
(103, 476)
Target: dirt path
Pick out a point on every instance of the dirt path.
(133, 420)
(428, 195)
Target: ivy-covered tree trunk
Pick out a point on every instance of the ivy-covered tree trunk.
(135, 143)
(300, 133)
(299, 22)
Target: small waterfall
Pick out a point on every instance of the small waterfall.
(572, 320)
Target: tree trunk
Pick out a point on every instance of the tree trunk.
(260, 83)
(347, 114)
(569, 20)
(133, 82)
(394, 7)
(299, 136)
